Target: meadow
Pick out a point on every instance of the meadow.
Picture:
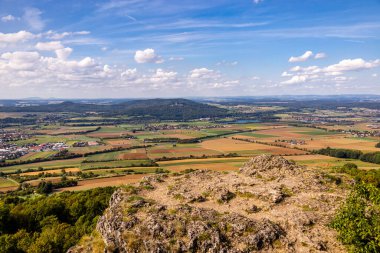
(125, 153)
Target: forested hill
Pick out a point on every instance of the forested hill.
(165, 109)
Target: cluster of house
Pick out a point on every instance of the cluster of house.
(81, 144)
(7, 136)
(293, 141)
(180, 127)
(50, 146)
(11, 151)
(362, 134)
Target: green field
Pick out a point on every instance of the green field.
(7, 183)
(115, 164)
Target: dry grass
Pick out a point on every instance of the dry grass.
(230, 145)
(341, 142)
(210, 166)
(103, 182)
(49, 171)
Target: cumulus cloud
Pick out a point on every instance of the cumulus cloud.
(257, 1)
(63, 53)
(352, 65)
(301, 58)
(296, 79)
(320, 56)
(32, 17)
(20, 60)
(203, 73)
(332, 72)
(49, 46)
(147, 56)
(204, 78)
(129, 74)
(20, 36)
(8, 18)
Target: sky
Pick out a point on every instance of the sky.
(187, 48)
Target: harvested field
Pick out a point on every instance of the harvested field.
(180, 151)
(122, 143)
(229, 145)
(107, 134)
(341, 142)
(37, 181)
(211, 160)
(103, 182)
(209, 166)
(49, 171)
(309, 157)
(135, 154)
(292, 132)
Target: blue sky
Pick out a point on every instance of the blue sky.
(167, 48)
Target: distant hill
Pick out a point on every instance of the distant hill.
(165, 109)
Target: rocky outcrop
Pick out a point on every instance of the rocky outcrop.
(270, 205)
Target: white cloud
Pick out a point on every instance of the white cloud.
(63, 53)
(162, 77)
(374, 75)
(129, 74)
(320, 56)
(49, 46)
(286, 74)
(176, 59)
(296, 79)
(8, 18)
(257, 1)
(227, 63)
(202, 73)
(332, 73)
(32, 17)
(352, 65)
(204, 78)
(20, 36)
(58, 36)
(20, 60)
(147, 56)
(301, 58)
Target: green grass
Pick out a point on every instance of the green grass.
(144, 170)
(115, 164)
(7, 183)
(105, 156)
(37, 155)
(339, 162)
(68, 163)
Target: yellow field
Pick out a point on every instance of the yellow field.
(49, 171)
(230, 145)
(341, 142)
(103, 182)
(211, 166)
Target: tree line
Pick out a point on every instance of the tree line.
(373, 157)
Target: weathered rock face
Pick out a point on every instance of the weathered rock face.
(271, 205)
(273, 166)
